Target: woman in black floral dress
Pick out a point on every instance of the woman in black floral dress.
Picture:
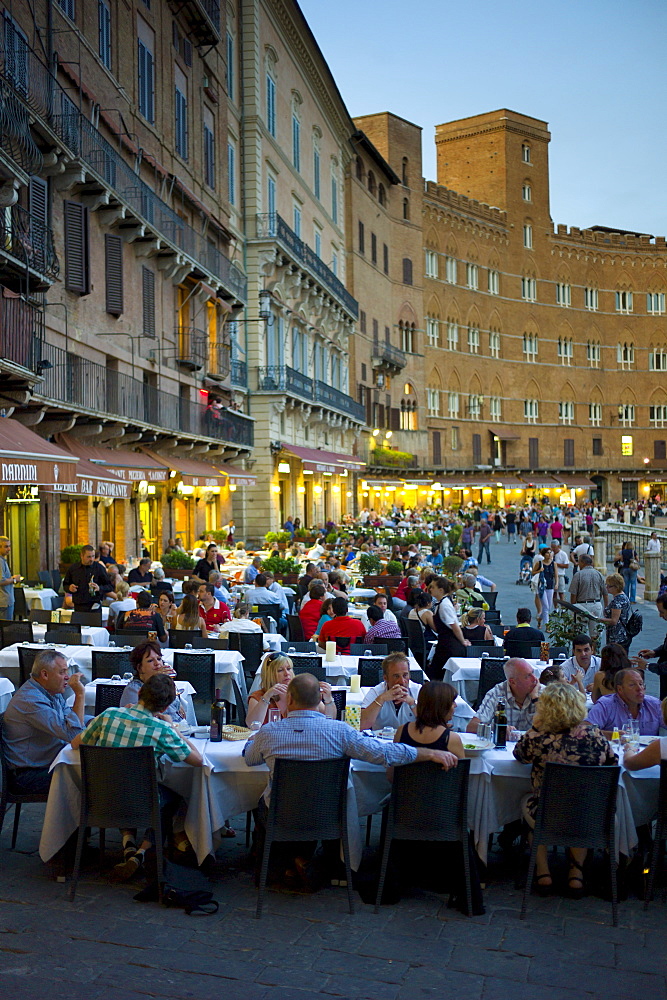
(617, 612)
(559, 735)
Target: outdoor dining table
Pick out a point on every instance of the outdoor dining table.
(224, 787)
(227, 787)
(92, 635)
(39, 598)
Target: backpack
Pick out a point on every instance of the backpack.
(634, 624)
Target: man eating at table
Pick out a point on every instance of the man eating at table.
(519, 692)
(582, 661)
(341, 627)
(38, 722)
(391, 703)
(212, 610)
(629, 702)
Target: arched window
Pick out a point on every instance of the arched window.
(404, 171)
(408, 408)
(372, 186)
(382, 194)
(406, 208)
(360, 169)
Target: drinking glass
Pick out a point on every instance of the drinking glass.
(127, 676)
(291, 650)
(484, 732)
(115, 679)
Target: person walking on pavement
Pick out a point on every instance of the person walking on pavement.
(485, 533)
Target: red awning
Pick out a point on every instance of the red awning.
(575, 482)
(193, 473)
(94, 481)
(131, 466)
(316, 460)
(542, 480)
(238, 477)
(26, 459)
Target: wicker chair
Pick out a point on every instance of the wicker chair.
(479, 648)
(251, 647)
(370, 670)
(93, 618)
(107, 696)
(38, 616)
(8, 798)
(308, 802)
(492, 672)
(374, 648)
(66, 638)
(416, 640)
(107, 662)
(199, 669)
(304, 664)
(27, 656)
(118, 789)
(180, 638)
(659, 834)
(299, 647)
(295, 628)
(577, 808)
(16, 632)
(428, 803)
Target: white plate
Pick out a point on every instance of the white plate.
(480, 746)
(646, 740)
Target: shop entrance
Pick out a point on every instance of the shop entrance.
(23, 531)
(149, 527)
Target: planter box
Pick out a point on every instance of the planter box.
(381, 581)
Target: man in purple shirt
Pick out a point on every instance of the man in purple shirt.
(484, 539)
(629, 701)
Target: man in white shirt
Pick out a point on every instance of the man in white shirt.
(562, 561)
(380, 602)
(392, 703)
(583, 548)
(582, 661)
(653, 544)
(519, 693)
(276, 589)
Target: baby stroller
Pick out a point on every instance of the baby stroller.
(525, 570)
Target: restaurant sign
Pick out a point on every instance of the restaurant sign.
(38, 472)
(95, 488)
(137, 475)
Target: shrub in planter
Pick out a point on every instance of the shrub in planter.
(281, 567)
(369, 565)
(394, 568)
(301, 533)
(277, 537)
(177, 560)
(451, 565)
(331, 538)
(454, 536)
(71, 554)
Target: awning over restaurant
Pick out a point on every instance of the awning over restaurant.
(506, 482)
(193, 473)
(94, 481)
(238, 477)
(575, 482)
(26, 459)
(316, 460)
(131, 466)
(541, 479)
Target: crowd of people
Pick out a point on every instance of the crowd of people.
(569, 713)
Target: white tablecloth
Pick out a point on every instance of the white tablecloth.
(184, 689)
(78, 657)
(39, 598)
(6, 692)
(362, 592)
(463, 672)
(225, 787)
(92, 635)
(498, 782)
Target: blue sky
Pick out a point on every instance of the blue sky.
(593, 69)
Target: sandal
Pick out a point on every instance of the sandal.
(543, 888)
(575, 891)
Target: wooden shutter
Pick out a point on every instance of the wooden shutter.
(659, 449)
(407, 271)
(77, 254)
(568, 451)
(477, 449)
(148, 287)
(533, 452)
(395, 418)
(39, 200)
(437, 448)
(113, 247)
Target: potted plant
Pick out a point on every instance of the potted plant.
(563, 625)
(177, 563)
(70, 555)
(369, 565)
(394, 568)
(281, 567)
(451, 565)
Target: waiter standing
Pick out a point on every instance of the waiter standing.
(88, 582)
(7, 581)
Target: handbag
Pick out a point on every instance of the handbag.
(633, 565)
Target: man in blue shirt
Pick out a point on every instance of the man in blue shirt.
(7, 581)
(38, 722)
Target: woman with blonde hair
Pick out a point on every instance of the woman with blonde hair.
(617, 612)
(474, 626)
(188, 617)
(277, 671)
(559, 735)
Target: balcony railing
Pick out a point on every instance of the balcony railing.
(239, 374)
(15, 138)
(192, 350)
(85, 384)
(21, 331)
(389, 355)
(34, 86)
(273, 226)
(28, 241)
(334, 397)
(203, 17)
(282, 378)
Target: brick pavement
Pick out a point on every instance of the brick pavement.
(105, 946)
